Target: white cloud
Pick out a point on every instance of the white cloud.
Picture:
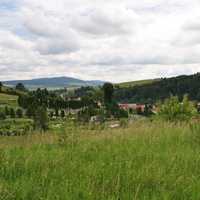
(108, 21)
(52, 33)
(111, 40)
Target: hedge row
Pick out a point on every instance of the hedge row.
(14, 127)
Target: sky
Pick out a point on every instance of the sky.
(111, 40)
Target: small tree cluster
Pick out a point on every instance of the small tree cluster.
(112, 108)
(20, 87)
(41, 119)
(173, 109)
(11, 112)
(1, 85)
(2, 115)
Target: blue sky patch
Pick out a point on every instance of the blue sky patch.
(8, 5)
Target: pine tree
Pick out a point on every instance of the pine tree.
(30, 112)
(7, 112)
(19, 113)
(62, 113)
(41, 118)
(2, 115)
(12, 113)
(1, 85)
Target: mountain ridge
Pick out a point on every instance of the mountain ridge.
(54, 82)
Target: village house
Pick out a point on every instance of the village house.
(133, 107)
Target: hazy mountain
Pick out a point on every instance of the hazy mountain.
(55, 82)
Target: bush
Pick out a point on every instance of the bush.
(13, 127)
(62, 114)
(112, 109)
(30, 112)
(41, 119)
(2, 116)
(7, 112)
(12, 113)
(120, 113)
(173, 109)
(124, 123)
(19, 113)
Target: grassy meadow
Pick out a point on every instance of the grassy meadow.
(147, 160)
(8, 100)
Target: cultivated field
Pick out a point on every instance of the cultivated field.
(9, 100)
(148, 160)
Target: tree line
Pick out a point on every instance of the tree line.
(160, 90)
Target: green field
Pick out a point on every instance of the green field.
(9, 100)
(136, 83)
(16, 126)
(148, 160)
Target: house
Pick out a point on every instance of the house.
(94, 119)
(133, 107)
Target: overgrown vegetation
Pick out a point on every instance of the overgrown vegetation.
(172, 109)
(13, 127)
(145, 161)
(9, 100)
(82, 145)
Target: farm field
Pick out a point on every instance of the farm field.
(9, 100)
(147, 160)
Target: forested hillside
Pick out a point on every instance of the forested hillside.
(53, 83)
(136, 83)
(161, 89)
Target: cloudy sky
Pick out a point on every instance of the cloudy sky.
(113, 40)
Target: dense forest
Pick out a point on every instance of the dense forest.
(160, 90)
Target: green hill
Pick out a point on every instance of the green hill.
(136, 83)
(159, 89)
(9, 100)
(9, 96)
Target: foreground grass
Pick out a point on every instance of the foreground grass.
(145, 161)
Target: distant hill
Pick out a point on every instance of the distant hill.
(159, 89)
(54, 83)
(136, 83)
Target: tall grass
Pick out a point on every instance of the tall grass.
(144, 161)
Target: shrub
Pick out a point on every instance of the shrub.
(7, 112)
(57, 113)
(41, 119)
(51, 114)
(19, 113)
(62, 114)
(173, 109)
(30, 112)
(121, 114)
(13, 127)
(124, 123)
(12, 113)
(112, 109)
(2, 116)
(147, 110)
